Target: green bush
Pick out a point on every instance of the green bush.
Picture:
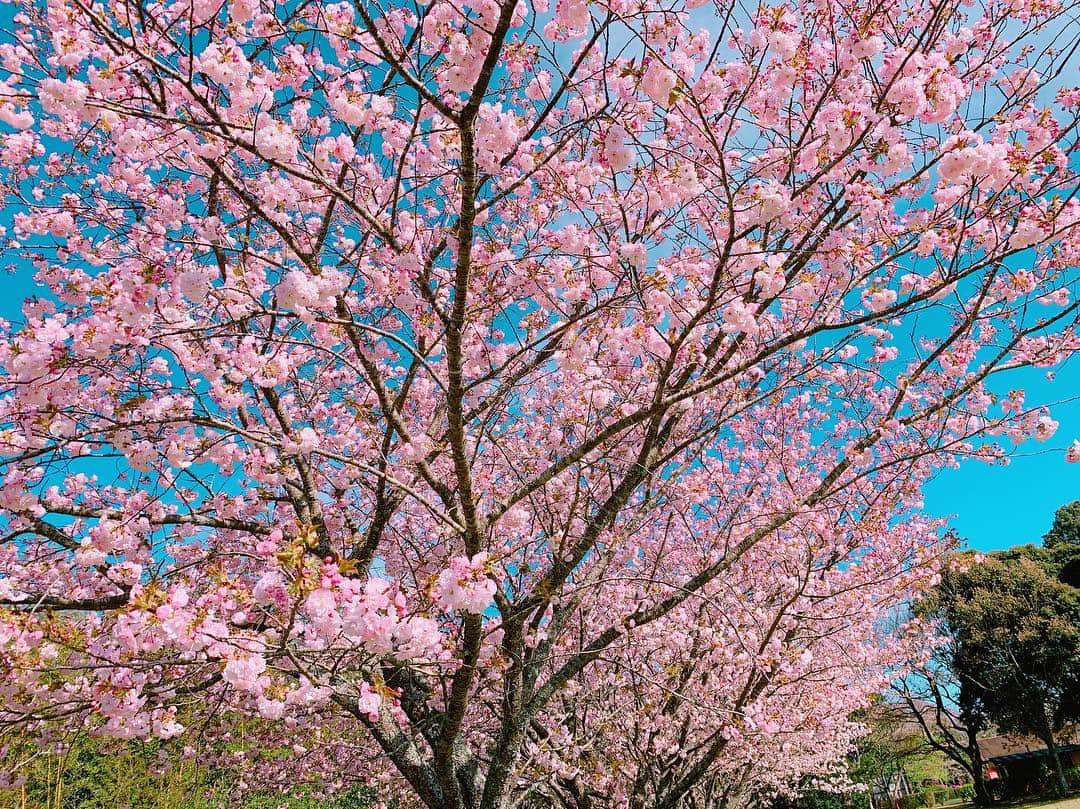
(913, 801)
(938, 795)
(965, 792)
(94, 774)
(820, 799)
(1072, 775)
(935, 796)
(100, 774)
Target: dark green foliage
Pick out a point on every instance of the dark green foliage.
(1066, 527)
(820, 799)
(915, 800)
(1013, 652)
(1072, 776)
(1016, 629)
(1061, 545)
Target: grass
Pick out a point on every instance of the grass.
(1071, 802)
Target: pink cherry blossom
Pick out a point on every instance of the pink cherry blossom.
(464, 585)
(512, 402)
(657, 82)
(617, 151)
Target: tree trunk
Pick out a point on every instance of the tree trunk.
(1051, 745)
(983, 795)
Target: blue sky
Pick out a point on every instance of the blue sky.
(994, 507)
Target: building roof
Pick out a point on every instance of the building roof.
(1009, 747)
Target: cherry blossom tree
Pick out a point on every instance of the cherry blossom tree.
(511, 405)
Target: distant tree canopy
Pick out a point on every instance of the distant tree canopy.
(1061, 544)
(1015, 625)
(1011, 654)
(1066, 527)
(1059, 555)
